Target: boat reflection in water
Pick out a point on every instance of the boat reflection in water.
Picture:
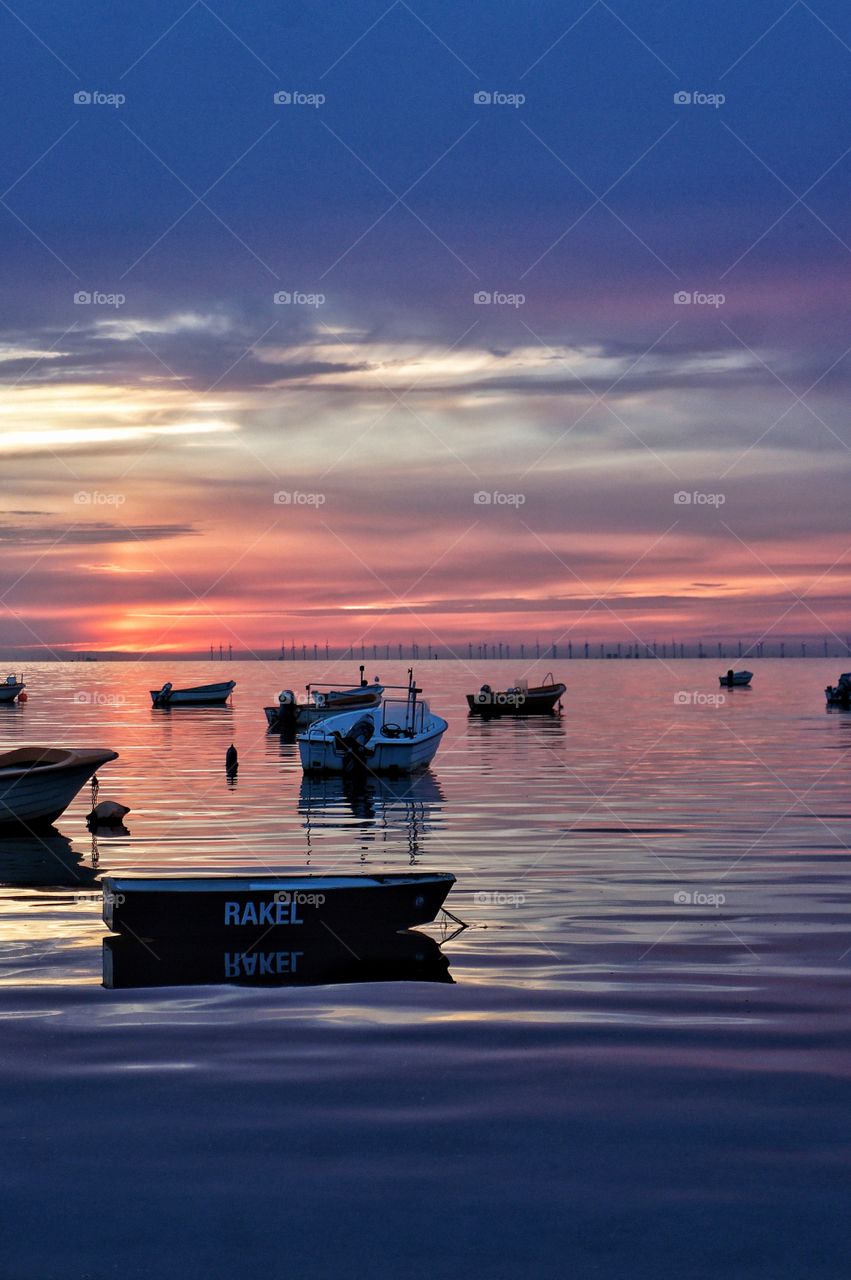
(43, 861)
(380, 808)
(314, 961)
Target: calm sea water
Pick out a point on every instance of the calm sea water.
(640, 1069)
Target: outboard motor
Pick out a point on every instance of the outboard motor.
(164, 693)
(353, 745)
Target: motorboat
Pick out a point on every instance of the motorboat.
(521, 699)
(736, 679)
(274, 910)
(839, 694)
(398, 736)
(323, 959)
(11, 688)
(38, 783)
(201, 695)
(321, 701)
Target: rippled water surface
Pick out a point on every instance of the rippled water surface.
(639, 1069)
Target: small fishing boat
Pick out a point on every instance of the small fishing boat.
(398, 736)
(38, 783)
(839, 694)
(241, 910)
(321, 701)
(736, 679)
(202, 695)
(387, 957)
(11, 687)
(522, 699)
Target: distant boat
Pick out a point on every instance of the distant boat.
(520, 700)
(736, 679)
(241, 910)
(839, 695)
(202, 695)
(322, 701)
(399, 736)
(38, 783)
(10, 689)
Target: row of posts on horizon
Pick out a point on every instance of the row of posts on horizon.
(554, 650)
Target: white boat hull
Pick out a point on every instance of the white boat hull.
(323, 756)
(206, 695)
(405, 737)
(30, 797)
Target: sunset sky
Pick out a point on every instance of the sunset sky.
(377, 454)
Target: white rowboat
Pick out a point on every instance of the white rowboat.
(38, 783)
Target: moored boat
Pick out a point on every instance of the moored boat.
(522, 699)
(38, 783)
(11, 688)
(242, 910)
(399, 736)
(321, 701)
(839, 694)
(736, 679)
(201, 695)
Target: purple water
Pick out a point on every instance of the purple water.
(640, 1069)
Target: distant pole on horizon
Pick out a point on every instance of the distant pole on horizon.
(586, 648)
(782, 648)
(825, 646)
(522, 650)
(740, 648)
(211, 653)
(220, 653)
(570, 648)
(230, 653)
(803, 649)
(537, 648)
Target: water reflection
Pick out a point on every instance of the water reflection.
(319, 961)
(376, 808)
(47, 860)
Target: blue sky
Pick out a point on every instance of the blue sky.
(581, 200)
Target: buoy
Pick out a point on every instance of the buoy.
(108, 813)
(22, 696)
(232, 759)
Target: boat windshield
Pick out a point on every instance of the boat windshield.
(404, 714)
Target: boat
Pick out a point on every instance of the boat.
(38, 783)
(275, 910)
(736, 679)
(398, 736)
(10, 689)
(521, 699)
(201, 695)
(839, 694)
(385, 957)
(321, 701)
